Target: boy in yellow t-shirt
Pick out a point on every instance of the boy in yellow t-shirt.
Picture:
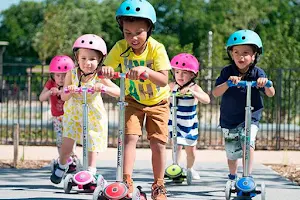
(138, 53)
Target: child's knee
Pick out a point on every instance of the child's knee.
(158, 138)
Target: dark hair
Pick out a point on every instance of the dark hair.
(133, 19)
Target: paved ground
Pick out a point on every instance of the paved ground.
(35, 184)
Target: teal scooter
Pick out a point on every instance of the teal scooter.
(245, 187)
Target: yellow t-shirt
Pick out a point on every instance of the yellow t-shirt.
(155, 57)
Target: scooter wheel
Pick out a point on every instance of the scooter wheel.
(143, 195)
(68, 183)
(179, 179)
(263, 191)
(98, 193)
(101, 181)
(228, 190)
(136, 195)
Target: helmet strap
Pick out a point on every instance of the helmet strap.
(189, 83)
(83, 74)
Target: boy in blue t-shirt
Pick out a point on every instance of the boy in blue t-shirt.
(244, 48)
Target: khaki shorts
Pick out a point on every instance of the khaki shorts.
(157, 117)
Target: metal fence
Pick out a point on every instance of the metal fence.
(280, 126)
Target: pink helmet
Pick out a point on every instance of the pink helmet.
(185, 61)
(90, 41)
(61, 64)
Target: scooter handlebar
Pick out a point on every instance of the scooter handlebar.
(244, 84)
(79, 90)
(143, 76)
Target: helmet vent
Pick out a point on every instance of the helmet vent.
(138, 9)
(58, 67)
(91, 42)
(66, 67)
(127, 8)
(176, 63)
(183, 64)
(234, 38)
(243, 37)
(82, 41)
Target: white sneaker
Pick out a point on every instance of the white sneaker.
(195, 174)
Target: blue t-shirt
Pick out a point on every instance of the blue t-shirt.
(233, 101)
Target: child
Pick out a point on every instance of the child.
(138, 53)
(58, 68)
(89, 52)
(244, 48)
(185, 71)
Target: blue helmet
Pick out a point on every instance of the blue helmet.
(137, 8)
(245, 37)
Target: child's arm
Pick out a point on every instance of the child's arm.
(221, 89)
(159, 78)
(199, 94)
(68, 81)
(110, 87)
(45, 94)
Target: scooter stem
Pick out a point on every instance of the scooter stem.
(248, 117)
(174, 128)
(122, 104)
(85, 128)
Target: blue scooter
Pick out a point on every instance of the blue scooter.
(245, 187)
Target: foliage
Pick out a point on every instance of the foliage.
(44, 29)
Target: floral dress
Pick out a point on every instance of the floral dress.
(97, 117)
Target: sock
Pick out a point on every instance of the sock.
(92, 170)
(232, 177)
(61, 170)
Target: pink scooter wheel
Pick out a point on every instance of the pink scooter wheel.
(83, 178)
(115, 190)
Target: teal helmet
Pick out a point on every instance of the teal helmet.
(245, 37)
(136, 8)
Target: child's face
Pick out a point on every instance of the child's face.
(183, 76)
(243, 56)
(135, 33)
(88, 60)
(59, 78)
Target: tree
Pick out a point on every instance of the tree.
(64, 21)
(19, 25)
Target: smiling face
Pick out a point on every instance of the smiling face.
(243, 56)
(88, 60)
(135, 33)
(183, 76)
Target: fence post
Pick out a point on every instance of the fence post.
(278, 110)
(16, 144)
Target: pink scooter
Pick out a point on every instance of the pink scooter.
(84, 179)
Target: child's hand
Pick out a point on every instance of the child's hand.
(261, 82)
(235, 79)
(185, 90)
(99, 87)
(107, 72)
(72, 88)
(54, 91)
(136, 72)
